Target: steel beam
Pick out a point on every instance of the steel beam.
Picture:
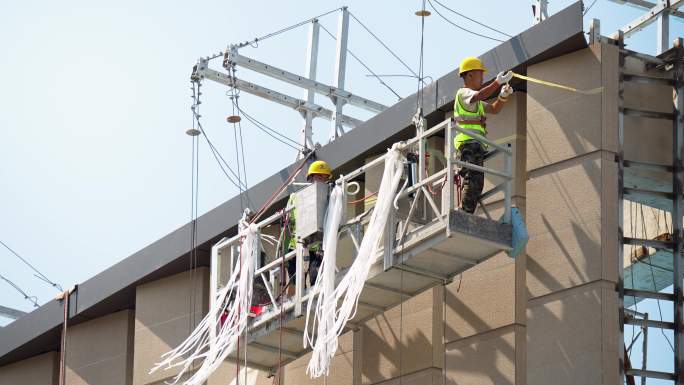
(309, 94)
(649, 323)
(275, 96)
(620, 214)
(663, 31)
(11, 313)
(308, 83)
(340, 71)
(643, 4)
(648, 18)
(650, 374)
(541, 10)
(677, 232)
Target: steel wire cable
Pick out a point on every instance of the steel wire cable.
(461, 28)
(363, 64)
(254, 42)
(37, 274)
(473, 20)
(31, 298)
(383, 44)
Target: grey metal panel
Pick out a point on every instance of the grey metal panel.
(114, 288)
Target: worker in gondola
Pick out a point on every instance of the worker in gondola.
(471, 107)
(319, 171)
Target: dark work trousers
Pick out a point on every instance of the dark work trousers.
(473, 152)
(315, 260)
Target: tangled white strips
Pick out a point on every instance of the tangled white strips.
(330, 317)
(215, 338)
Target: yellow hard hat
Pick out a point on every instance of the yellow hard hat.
(469, 64)
(319, 167)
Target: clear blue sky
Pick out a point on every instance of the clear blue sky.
(93, 156)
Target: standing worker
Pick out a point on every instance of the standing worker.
(470, 113)
(319, 171)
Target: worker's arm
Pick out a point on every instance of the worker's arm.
(486, 92)
(494, 108)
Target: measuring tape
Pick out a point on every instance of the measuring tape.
(592, 91)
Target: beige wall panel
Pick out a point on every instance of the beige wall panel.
(383, 349)
(429, 376)
(39, 370)
(568, 245)
(225, 374)
(569, 337)
(99, 351)
(561, 124)
(481, 299)
(164, 319)
(565, 258)
(564, 194)
(609, 97)
(341, 367)
(484, 359)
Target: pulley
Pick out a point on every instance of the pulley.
(423, 13)
(192, 132)
(233, 119)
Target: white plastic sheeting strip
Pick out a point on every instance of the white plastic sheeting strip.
(323, 321)
(335, 307)
(217, 335)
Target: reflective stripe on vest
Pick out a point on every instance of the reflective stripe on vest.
(478, 119)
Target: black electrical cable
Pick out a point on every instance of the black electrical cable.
(461, 28)
(38, 274)
(383, 44)
(31, 298)
(473, 20)
(363, 64)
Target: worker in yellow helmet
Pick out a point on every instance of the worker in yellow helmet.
(319, 171)
(470, 113)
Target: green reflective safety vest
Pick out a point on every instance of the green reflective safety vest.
(291, 232)
(463, 116)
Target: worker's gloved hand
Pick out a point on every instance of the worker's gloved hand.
(504, 77)
(506, 91)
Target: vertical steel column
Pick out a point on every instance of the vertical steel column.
(644, 347)
(340, 71)
(540, 10)
(213, 288)
(390, 236)
(663, 29)
(299, 279)
(620, 214)
(677, 233)
(595, 31)
(508, 190)
(310, 72)
(449, 151)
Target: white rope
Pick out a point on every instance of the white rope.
(332, 317)
(216, 336)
